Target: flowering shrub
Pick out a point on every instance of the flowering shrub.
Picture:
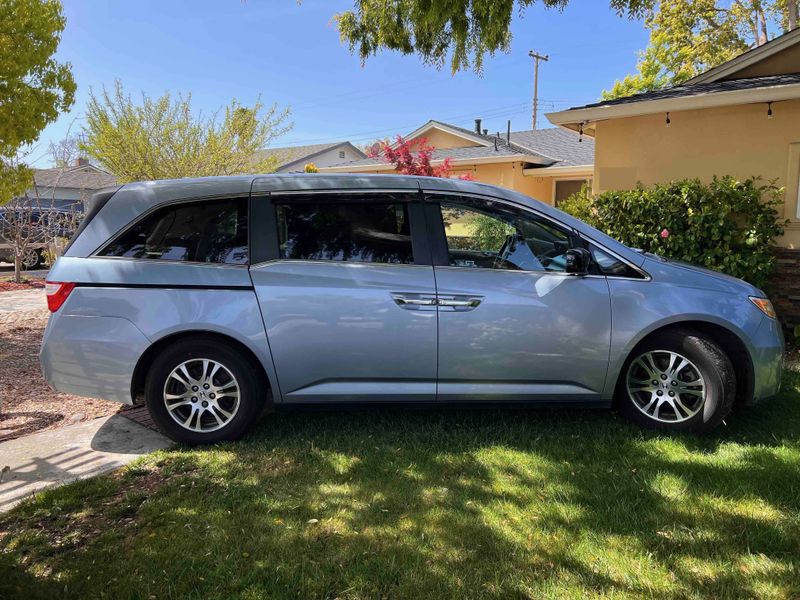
(413, 158)
(727, 225)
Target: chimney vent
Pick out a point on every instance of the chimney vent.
(81, 162)
(485, 132)
(478, 126)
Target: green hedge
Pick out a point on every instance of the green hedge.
(727, 225)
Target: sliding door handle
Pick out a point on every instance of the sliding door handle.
(470, 303)
(414, 301)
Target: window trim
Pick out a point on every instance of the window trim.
(420, 247)
(439, 239)
(166, 204)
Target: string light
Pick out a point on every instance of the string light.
(668, 120)
(580, 133)
(769, 110)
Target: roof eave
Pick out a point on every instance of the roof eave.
(556, 171)
(307, 157)
(537, 160)
(432, 124)
(573, 118)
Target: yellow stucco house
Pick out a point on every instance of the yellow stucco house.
(741, 118)
(547, 164)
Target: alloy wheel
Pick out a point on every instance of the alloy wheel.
(30, 259)
(201, 395)
(666, 386)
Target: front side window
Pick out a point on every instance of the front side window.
(494, 236)
(357, 231)
(212, 231)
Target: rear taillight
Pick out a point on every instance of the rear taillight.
(57, 293)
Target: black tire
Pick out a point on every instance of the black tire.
(716, 369)
(252, 390)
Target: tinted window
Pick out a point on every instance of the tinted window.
(610, 265)
(213, 231)
(493, 236)
(368, 231)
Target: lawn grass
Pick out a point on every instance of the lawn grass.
(444, 504)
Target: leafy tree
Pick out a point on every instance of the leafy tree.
(34, 87)
(688, 37)
(411, 157)
(162, 138)
(465, 30)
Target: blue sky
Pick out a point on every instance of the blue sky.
(290, 53)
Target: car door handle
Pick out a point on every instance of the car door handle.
(413, 301)
(460, 303)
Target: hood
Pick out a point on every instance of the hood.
(689, 275)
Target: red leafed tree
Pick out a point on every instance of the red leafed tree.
(413, 158)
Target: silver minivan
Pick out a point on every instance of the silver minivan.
(216, 299)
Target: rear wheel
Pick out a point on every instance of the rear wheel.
(677, 380)
(201, 391)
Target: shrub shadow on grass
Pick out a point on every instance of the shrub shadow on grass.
(458, 504)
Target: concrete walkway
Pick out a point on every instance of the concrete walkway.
(22, 300)
(54, 457)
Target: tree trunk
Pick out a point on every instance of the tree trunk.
(17, 268)
(762, 20)
(791, 14)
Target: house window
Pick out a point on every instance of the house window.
(341, 153)
(566, 187)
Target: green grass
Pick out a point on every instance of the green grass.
(445, 504)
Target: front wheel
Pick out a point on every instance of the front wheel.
(201, 391)
(678, 380)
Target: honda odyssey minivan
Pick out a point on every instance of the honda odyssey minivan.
(213, 300)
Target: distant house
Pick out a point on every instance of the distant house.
(295, 158)
(547, 164)
(69, 186)
(741, 118)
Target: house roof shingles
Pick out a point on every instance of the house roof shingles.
(559, 144)
(556, 148)
(85, 177)
(699, 89)
(291, 154)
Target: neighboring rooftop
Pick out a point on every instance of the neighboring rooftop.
(298, 156)
(82, 176)
(541, 147)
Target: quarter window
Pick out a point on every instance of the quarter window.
(372, 232)
(213, 231)
(493, 236)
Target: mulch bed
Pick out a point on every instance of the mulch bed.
(27, 284)
(27, 404)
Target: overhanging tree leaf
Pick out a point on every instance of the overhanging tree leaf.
(464, 30)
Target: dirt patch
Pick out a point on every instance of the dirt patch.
(28, 284)
(27, 404)
(72, 530)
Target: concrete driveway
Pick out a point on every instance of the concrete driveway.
(22, 301)
(49, 458)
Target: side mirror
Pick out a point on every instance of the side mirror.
(578, 261)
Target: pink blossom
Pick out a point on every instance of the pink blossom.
(665, 233)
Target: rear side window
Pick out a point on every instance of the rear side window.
(372, 232)
(213, 231)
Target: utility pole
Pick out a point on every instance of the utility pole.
(536, 58)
